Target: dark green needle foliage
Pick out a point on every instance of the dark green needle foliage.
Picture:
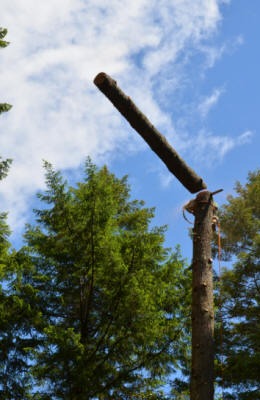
(3, 33)
(13, 383)
(240, 291)
(111, 297)
(4, 107)
(3, 43)
(17, 318)
(4, 167)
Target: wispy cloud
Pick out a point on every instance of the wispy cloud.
(211, 149)
(245, 137)
(213, 53)
(57, 48)
(210, 101)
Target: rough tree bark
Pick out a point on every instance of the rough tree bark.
(149, 133)
(202, 370)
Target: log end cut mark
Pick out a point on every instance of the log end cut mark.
(149, 133)
(101, 78)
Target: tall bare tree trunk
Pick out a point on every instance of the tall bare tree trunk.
(202, 372)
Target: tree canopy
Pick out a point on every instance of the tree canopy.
(99, 294)
(240, 291)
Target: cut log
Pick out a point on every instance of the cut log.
(149, 133)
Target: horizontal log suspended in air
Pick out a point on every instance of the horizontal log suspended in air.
(149, 133)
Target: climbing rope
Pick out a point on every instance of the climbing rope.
(220, 307)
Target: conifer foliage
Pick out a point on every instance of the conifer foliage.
(3, 43)
(4, 107)
(240, 291)
(107, 292)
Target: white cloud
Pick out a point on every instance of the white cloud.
(57, 47)
(213, 53)
(245, 137)
(208, 102)
(211, 149)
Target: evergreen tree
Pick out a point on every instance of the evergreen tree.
(240, 291)
(112, 299)
(14, 317)
(4, 167)
(4, 311)
(3, 43)
(4, 107)
(14, 311)
(17, 321)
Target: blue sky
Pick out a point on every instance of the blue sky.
(192, 66)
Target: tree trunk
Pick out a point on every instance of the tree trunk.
(149, 133)
(202, 370)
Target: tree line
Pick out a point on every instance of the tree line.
(94, 306)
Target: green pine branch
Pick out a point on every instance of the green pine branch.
(3, 33)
